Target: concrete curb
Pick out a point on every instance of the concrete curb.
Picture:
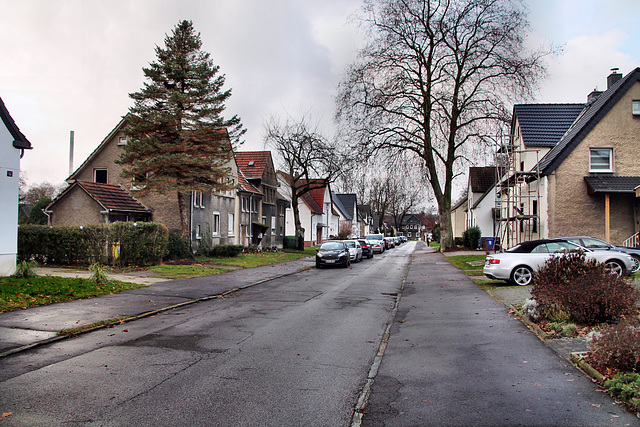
(132, 317)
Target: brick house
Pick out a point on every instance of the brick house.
(208, 213)
(585, 183)
(12, 146)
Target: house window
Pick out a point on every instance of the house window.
(409, 234)
(601, 160)
(254, 205)
(198, 235)
(197, 199)
(230, 225)
(635, 107)
(138, 181)
(264, 220)
(535, 218)
(216, 224)
(245, 204)
(273, 225)
(122, 140)
(100, 176)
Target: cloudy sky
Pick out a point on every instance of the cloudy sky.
(70, 64)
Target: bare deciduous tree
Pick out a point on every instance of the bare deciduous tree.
(308, 159)
(437, 77)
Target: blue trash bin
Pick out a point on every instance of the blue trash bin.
(490, 243)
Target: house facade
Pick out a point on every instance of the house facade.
(99, 194)
(317, 216)
(12, 146)
(481, 200)
(258, 169)
(584, 183)
(346, 207)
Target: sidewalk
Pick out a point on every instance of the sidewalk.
(24, 329)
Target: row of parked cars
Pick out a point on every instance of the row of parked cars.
(344, 252)
(517, 264)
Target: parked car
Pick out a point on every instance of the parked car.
(333, 252)
(597, 244)
(355, 251)
(517, 264)
(367, 248)
(389, 243)
(377, 241)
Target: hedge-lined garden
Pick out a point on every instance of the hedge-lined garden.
(122, 243)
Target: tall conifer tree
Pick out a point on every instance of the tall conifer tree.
(178, 139)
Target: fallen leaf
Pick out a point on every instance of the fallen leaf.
(125, 330)
(595, 405)
(6, 414)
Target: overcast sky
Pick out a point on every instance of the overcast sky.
(70, 64)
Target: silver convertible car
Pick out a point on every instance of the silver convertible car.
(517, 264)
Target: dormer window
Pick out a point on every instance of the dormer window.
(251, 163)
(601, 160)
(635, 107)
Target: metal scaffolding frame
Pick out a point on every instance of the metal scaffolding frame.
(517, 211)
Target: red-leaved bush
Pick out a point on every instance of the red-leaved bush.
(583, 289)
(616, 347)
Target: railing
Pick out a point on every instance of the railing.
(633, 241)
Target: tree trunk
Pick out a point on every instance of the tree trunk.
(183, 217)
(446, 236)
(296, 220)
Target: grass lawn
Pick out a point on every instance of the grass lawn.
(262, 258)
(16, 294)
(470, 264)
(171, 271)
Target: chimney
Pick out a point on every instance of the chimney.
(613, 77)
(71, 135)
(591, 98)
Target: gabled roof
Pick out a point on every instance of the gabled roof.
(312, 204)
(19, 140)
(253, 163)
(612, 184)
(482, 179)
(245, 185)
(337, 202)
(349, 203)
(97, 150)
(110, 197)
(589, 118)
(542, 125)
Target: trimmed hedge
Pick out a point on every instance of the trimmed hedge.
(143, 243)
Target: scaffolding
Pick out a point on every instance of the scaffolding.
(517, 210)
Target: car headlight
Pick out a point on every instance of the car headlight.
(319, 255)
(343, 254)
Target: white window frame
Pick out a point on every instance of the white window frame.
(635, 107)
(273, 225)
(598, 169)
(122, 140)
(198, 230)
(230, 226)
(215, 224)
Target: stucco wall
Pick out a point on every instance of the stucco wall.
(572, 211)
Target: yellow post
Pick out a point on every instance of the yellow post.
(607, 218)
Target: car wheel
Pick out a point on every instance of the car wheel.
(615, 267)
(522, 275)
(636, 263)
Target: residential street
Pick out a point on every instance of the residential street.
(297, 350)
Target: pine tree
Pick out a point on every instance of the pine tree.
(178, 139)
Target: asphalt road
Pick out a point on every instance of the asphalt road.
(298, 351)
(294, 351)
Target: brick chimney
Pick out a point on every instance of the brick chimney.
(613, 77)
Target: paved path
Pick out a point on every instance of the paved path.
(456, 356)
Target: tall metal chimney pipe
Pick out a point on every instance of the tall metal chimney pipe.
(71, 135)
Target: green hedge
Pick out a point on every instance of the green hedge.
(142, 243)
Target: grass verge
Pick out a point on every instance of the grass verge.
(471, 265)
(16, 294)
(262, 258)
(186, 271)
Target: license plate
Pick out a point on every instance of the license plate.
(330, 261)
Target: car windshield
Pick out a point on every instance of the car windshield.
(332, 246)
(374, 237)
(351, 244)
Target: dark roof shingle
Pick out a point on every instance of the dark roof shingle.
(542, 125)
(612, 184)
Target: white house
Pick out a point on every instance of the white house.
(12, 146)
(316, 213)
